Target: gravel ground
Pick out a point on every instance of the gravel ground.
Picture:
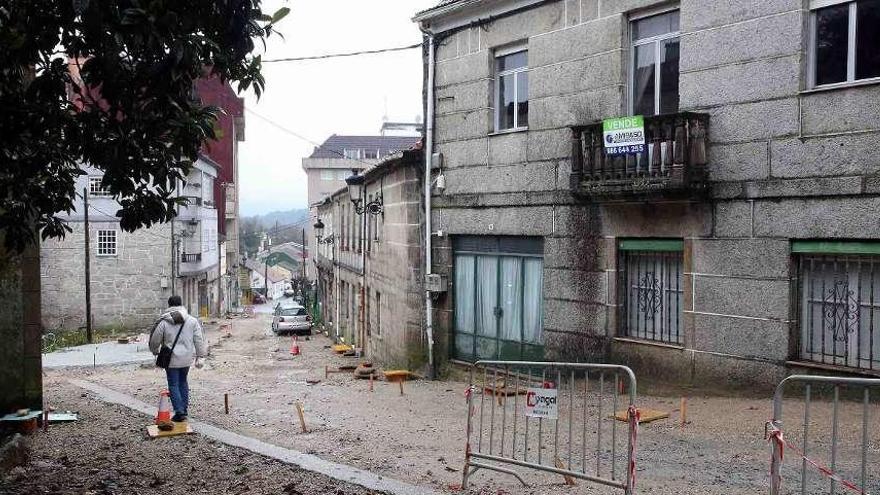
(419, 437)
(107, 452)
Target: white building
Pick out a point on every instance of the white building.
(197, 246)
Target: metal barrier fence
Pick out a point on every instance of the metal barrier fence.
(539, 415)
(847, 462)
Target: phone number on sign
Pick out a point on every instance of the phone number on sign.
(625, 150)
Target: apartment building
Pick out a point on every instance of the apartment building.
(732, 239)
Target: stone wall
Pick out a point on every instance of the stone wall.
(392, 294)
(21, 374)
(126, 289)
(784, 163)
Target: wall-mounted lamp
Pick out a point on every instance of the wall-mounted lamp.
(356, 185)
(319, 233)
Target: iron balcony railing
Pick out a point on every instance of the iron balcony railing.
(673, 163)
(191, 257)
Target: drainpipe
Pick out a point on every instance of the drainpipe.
(429, 151)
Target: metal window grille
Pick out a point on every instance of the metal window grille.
(651, 295)
(106, 243)
(838, 303)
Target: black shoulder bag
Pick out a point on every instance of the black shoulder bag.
(163, 360)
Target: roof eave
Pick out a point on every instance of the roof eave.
(441, 11)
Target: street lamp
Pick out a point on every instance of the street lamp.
(319, 233)
(356, 186)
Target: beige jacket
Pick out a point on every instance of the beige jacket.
(191, 343)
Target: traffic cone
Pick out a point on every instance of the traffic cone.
(294, 348)
(164, 413)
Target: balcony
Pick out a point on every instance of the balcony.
(191, 257)
(673, 165)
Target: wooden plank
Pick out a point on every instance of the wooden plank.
(179, 429)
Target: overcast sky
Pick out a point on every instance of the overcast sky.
(318, 98)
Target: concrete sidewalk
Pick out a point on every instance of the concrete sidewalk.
(108, 353)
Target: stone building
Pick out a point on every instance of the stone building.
(369, 260)
(736, 244)
(133, 273)
(328, 166)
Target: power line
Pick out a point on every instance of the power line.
(347, 54)
(296, 135)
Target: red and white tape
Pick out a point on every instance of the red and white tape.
(634, 416)
(775, 435)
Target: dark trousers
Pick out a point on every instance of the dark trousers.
(179, 389)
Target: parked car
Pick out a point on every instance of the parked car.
(284, 304)
(292, 319)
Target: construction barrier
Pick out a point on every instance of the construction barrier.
(827, 462)
(553, 417)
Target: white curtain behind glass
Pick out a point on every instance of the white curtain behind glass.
(533, 288)
(511, 299)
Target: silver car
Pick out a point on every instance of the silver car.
(291, 319)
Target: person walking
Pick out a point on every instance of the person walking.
(182, 333)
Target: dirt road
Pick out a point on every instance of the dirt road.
(106, 453)
(419, 437)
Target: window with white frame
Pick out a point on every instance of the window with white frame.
(342, 174)
(353, 153)
(328, 174)
(106, 243)
(511, 89)
(655, 55)
(845, 41)
(96, 189)
(371, 154)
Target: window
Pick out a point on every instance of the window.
(353, 154)
(328, 174)
(106, 243)
(650, 290)
(511, 90)
(845, 41)
(498, 298)
(655, 56)
(378, 313)
(371, 153)
(342, 174)
(839, 307)
(96, 189)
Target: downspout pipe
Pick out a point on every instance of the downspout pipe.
(429, 151)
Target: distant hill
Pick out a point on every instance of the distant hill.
(267, 220)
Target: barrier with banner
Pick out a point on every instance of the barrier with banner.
(826, 462)
(553, 417)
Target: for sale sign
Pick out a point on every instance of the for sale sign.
(624, 135)
(541, 403)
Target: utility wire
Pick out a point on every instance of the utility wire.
(340, 55)
(296, 135)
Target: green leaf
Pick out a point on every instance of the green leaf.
(280, 14)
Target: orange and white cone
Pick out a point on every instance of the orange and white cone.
(163, 415)
(294, 348)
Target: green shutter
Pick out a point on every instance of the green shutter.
(651, 245)
(835, 247)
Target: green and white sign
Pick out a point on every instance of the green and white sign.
(624, 135)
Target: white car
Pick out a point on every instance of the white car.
(291, 319)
